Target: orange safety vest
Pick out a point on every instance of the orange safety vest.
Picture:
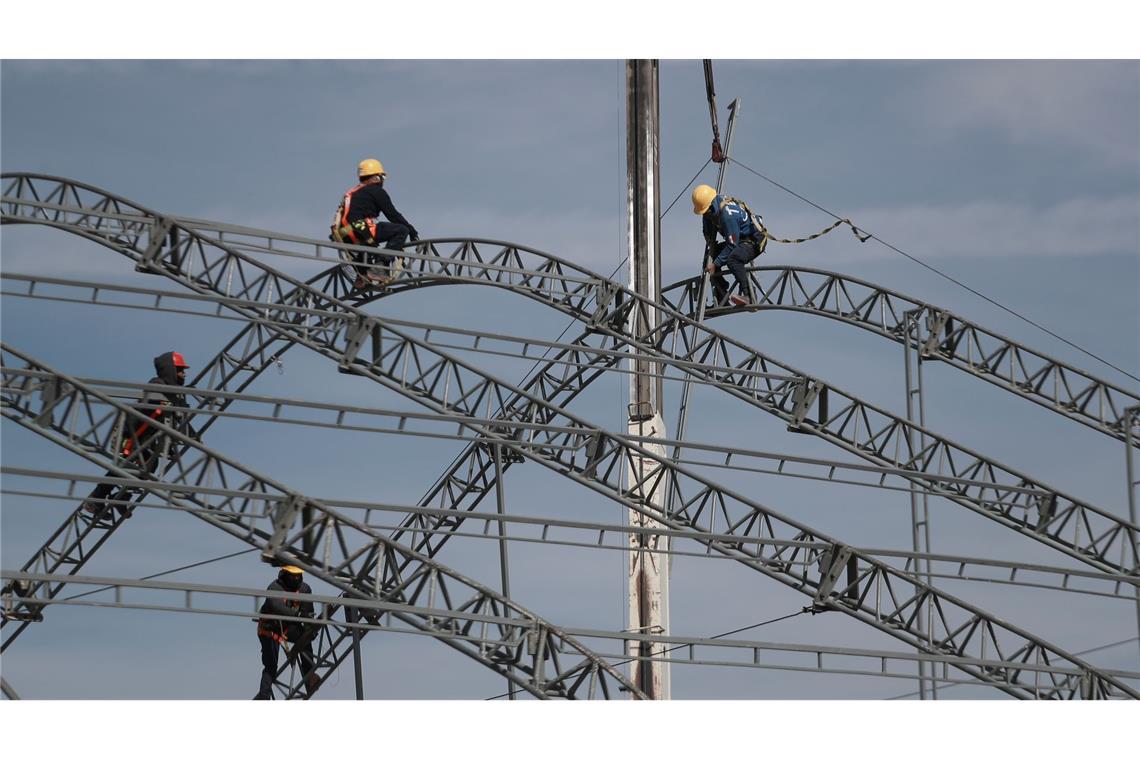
(344, 230)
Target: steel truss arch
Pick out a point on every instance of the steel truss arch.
(806, 404)
(1063, 388)
(368, 338)
(964, 628)
(965, 345)
(357, 561)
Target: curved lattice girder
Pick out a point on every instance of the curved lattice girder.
(355, 559)
(415, 370)
(470, 392)
(1053, 384)
(897, 598)
(1093, 535)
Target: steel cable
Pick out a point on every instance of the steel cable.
(942, 274)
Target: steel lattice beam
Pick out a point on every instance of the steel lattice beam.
(614, 537)
(188, 597)
(356, 560)
(1070, 525)
(413, 369)
(873, 592)
(962, 344)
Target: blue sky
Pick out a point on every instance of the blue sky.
(1020, 178)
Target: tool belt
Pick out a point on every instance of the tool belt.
(360, 232)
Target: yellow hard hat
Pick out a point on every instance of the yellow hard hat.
(702, 198)
(369, 167)
(292, 570)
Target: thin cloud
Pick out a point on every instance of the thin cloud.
(1092, 105)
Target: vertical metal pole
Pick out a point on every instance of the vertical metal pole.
(648, 603)
(504, 567)
(734, 110)
(1131, 440)
(354, 616)
(919, 506)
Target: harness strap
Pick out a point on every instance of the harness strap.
(765, 235)
(263, 629)
(129, 445)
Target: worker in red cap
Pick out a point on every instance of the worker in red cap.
(139, 447)
(274, 633)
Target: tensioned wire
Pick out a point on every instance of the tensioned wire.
(942, 274)
(682, 646)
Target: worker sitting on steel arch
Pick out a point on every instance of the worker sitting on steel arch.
(274, 633)
(357, 222)
(744, 240)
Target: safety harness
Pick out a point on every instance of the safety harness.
(757, 223)
(360, 232)
(129, 444)
(265, 627)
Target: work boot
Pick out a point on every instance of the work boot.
(739, 300)
(98, 514)
(312, 683)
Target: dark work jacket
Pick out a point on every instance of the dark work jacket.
(170, 412)
(371, 200)
(732, 222)
(275, 605)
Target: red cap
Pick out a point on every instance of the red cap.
(178, 360)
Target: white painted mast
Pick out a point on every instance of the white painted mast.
(647, 566)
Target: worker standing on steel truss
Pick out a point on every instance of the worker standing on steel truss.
(744, 240)
(141, 448)
(357, 222)
(274, 633)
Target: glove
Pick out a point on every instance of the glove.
(413, 235)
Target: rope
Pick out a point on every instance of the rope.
(683, 189)
(166, 572)
(854, 230)
(941, 274)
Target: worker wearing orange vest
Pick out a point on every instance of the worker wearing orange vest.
(357, 222)
(274, 633)
(140, 447)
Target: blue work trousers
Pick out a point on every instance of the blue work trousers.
(738, 260)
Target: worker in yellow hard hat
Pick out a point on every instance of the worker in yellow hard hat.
(744, 239)
(357, 222)
(274, 633)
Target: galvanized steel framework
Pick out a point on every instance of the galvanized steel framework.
(123, 229)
